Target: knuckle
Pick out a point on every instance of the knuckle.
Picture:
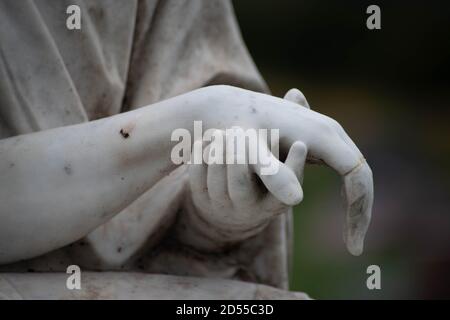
(324, 126)
(329, 126)
(337, 126)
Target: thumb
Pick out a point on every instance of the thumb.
(296, 159)
(281, 180)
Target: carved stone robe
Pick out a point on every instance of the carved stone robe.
(128, 54)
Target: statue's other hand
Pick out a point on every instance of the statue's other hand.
(238, 199)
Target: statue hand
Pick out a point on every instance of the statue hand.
(236, 200)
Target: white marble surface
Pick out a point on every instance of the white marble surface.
(82, 183)
(125, 285)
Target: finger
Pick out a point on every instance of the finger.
(198, 172)
(343, 156)
(278, 178)
(242, 184)
(358, 186)
(296, 159)
(217, 171)
(296, 96)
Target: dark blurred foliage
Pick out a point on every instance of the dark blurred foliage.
(389, 89)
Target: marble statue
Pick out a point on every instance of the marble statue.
(86, 118)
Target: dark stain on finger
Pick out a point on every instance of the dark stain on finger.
(357, 207)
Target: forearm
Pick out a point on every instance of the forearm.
(59, 184)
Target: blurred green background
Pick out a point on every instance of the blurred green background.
(389, 89)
